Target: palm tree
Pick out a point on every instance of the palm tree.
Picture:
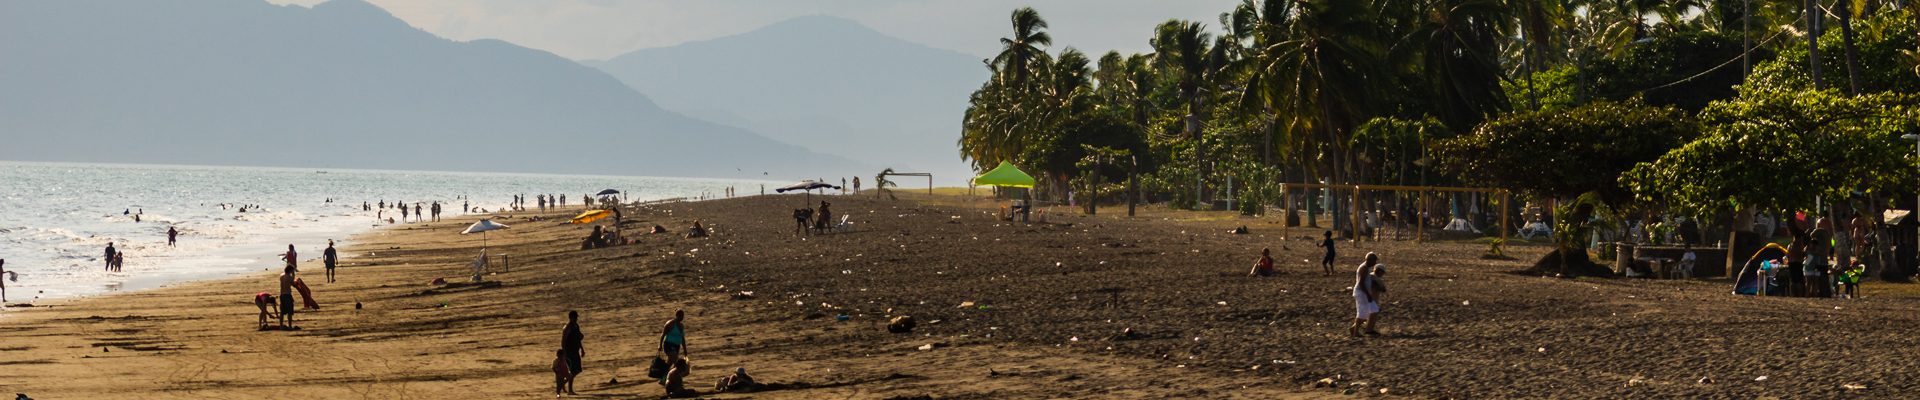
(1180, 49)
(1458, 47)
(1018, 52)
(1315, 73)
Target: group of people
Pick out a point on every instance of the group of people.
(1369, 284)
(672, 368)
(806, 219)
(1810, 267)
(550, 202)
(281, 308)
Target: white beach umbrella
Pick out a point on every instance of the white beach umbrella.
(483, 226)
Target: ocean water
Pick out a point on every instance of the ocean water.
(57, 218)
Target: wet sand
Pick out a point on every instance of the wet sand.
(1049, 303)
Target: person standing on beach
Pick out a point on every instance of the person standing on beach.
(1363, 298)
(286, 295)
(673, 337)
(856, 185)
(172, 236)
(571, 348)
(416, 213)
(465, 207)
(403, 213)
(110, 253)
(330, 257)
(1326, 263)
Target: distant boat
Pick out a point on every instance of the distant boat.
(319, 172)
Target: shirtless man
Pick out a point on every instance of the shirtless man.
(286, 296)
(1364, 297)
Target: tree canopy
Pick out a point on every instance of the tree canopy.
(1782, 149)
(1565, 153)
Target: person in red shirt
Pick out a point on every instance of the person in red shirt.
(1263, 267)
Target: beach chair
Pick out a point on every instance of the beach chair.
(845, 224)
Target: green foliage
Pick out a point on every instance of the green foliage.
(1882, 50)
(1579, 219)
(1644, 69)
(1568, 152)
(1558, 89)
(1061, 150)
(1780, 150)
(1389, 146)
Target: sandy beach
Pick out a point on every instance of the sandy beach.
(1006, 310)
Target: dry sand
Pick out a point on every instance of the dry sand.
(1049, 303)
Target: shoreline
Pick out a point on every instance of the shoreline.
(1042, 311)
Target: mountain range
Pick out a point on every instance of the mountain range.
(825, 83)
(342, 84)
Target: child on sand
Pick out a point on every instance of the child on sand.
(1327, 262)
(676, 381)
(562, 376)
(1264, 266)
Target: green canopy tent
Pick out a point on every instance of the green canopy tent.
(1004, 175)
(1007, 175)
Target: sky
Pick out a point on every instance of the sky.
(601, 29)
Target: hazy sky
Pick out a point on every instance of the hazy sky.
(600, 29)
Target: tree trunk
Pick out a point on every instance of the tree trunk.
(1812, 16)
(1846, 36)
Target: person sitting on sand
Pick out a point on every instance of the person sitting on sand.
(1363, 296)
(658, 229)
(264, 301)
(593, 239)
(562, 374)
(676, 381)
(673, 337)
(1264, 266)
(1327, 262)
(697, 230)
(739, 382)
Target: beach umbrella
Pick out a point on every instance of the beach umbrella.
(591, 216)
(483, 226)
(807, 186)
(607, 192)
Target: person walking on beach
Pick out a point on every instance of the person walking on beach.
(331, 258)
(673, 337)
(110, 254)
(172, 236)
(1326, 263)
(570, 348)
(1363, 298)
(1264, 266)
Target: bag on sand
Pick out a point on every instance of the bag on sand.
(658, 370)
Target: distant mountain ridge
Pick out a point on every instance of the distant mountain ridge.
(343, 84)
(827, 83)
